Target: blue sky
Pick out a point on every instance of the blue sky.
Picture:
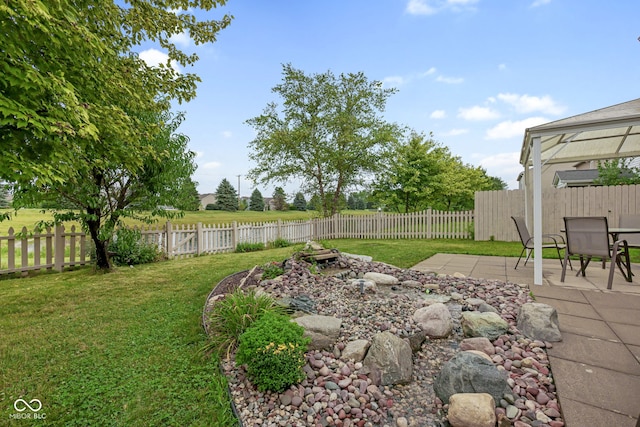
(476, 73)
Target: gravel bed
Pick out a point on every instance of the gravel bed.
(338, 392)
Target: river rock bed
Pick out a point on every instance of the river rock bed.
(340, 393)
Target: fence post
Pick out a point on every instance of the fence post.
(279, 232)
(58, 250)
(234, 235)
(169, 241)
(429, 218)
(199, 238)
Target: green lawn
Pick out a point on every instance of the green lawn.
(124, 348)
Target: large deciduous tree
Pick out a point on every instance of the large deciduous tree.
(79, 109)
(99, 194)
(421, 173)
(328, 132)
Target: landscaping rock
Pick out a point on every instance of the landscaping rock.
(488, 324)
(472, 410)
(470, 373)
(323, 330)
(355, 350)
(435, 320)
(389, 359)
(539, 322)
(381, 278)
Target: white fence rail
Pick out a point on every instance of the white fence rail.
(58, 249)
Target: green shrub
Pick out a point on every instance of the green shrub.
(279, 243)
(128, 248)
(273, 349)
(249, 247)
(271, 270)
(232, 315)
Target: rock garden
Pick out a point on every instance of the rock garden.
(383, 346)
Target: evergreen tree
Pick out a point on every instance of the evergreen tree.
(279, 199)
(4, 197)
(256, 203)
(299, 202)
(226, 197)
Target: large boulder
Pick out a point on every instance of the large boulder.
(467, 372)
(478, 343)
(435, 320)
(489, 325)
(323, 330)
(539, 322)
(471, 410)
(389, 359)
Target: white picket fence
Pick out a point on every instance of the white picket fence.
(57, 249)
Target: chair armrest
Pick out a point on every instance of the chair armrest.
(554, 237)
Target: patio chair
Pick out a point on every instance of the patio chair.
(549, 241)
(588, 237)
(630, 221)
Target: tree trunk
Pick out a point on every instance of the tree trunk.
(102, 255)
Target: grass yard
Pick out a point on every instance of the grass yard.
(125, 348)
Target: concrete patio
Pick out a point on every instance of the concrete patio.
(597, 365)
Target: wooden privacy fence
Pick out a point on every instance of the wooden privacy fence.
(494, 209)
(58, 249)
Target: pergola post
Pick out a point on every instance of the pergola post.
(537, 211)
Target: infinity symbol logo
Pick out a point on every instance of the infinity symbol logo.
(25, 405)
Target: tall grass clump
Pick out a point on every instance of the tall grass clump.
(231, 316)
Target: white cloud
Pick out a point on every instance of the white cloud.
(211, 165)
(227, 134)
(429, 72)
(181, 39)
(199, 154)
(153, 58)
(431, 7)
(478, 113)
(502, 67)
(420, 7)
(528, 104)
(438, 114)
(450, 80)
(456, 132)
(394, 81)
(510, 129)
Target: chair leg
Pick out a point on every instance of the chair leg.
(564, 265)
(518, 262)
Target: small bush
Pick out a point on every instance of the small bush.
(271, 270)
(249, 247)
(232, 315)
(273, 349)
(279, 243)
(128, 248)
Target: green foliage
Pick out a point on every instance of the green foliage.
(279, 199)
(299, 202)
(421, 173)
(256, 202)
(273, 349)
(617, 172)
(232, 315)
(128, 248)
(226, 197)
(249, 247)
(271, 270)
(279, 243)
(329, 133)
(211, 207)
(72, 84)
